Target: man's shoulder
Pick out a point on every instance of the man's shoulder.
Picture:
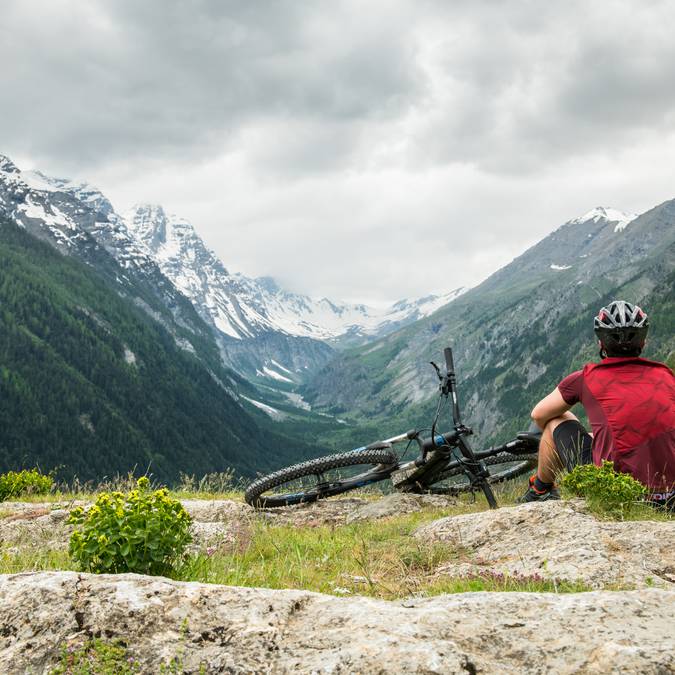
(627, 361)
(572, 377)
(656, 364)
(614, 369)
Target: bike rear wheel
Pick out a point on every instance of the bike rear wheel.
(453, 480)
(322, 477)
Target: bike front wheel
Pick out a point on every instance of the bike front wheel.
(502, 467)
(322, 477)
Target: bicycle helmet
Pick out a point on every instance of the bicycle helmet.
(621, 328)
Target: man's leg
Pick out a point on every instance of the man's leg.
(549, 460)
(564, 444)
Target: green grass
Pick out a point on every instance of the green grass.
(379, 558)
(32, 559)
(95, 656)
(373, 558)
(220, 485)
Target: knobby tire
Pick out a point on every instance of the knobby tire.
(381, 463)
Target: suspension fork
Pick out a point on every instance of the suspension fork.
(476, 468)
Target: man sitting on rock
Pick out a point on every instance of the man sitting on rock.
(630, 403)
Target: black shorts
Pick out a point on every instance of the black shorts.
(573, 444)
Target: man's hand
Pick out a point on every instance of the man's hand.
(552, 406)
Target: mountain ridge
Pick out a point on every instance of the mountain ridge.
(516, 334)
(265, 305)
(92, 385)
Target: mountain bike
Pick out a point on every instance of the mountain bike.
(446, 463)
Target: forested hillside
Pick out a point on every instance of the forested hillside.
(517, 334)
(90, 384)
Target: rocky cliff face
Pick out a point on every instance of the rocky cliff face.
(79, 221)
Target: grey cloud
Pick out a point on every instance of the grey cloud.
(521, 95)
(350, 137)
(125, 80)
(509, 87)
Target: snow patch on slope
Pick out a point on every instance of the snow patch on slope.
(268, 409)
(608, 213)
(273, 374)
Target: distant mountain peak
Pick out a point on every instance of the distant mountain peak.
(151, 243)
(7, 165)
(147, 222)
(243, 307)
(268, 283)
(85, 192)
(608, 214)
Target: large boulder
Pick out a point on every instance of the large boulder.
(557, 540)
(188, 626)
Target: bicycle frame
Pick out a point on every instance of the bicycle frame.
(418, 477)
(441, 457)
(442, 445)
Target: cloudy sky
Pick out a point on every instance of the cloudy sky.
(360, 150)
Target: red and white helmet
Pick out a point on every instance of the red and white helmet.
(621, 327)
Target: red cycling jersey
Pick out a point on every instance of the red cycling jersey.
(630, 403)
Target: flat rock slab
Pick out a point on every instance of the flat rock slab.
(558, 540)
(397, 504)
(37, 526)
(323, 512)
(217, 510)
(249, 630)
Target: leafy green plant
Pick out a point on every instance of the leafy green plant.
(143, 531)
(18, 483)
(605, 489)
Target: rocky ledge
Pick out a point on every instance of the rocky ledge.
(558, 540)
(192, 627)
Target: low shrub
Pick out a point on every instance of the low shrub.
(21, 483)
(143, 531)
(605, 489)
(96, 656)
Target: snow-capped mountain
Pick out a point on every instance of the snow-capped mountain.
(78, 220)
(241, 307)
(261, 329)
(519, 332)
(67, 212)
(576, 244)
(606, 214)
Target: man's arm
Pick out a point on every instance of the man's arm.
(551, 406)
